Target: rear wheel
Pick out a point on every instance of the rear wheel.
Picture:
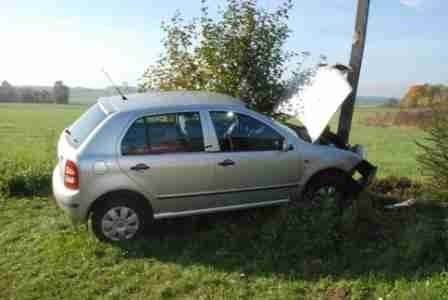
(119, 218)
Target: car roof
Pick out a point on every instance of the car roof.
(157, 100)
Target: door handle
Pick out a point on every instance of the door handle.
(226, 162)
(140, 167)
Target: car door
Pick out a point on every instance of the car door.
(251, 165)
(165, 155)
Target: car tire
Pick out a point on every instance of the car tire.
(328, 187)
(119, 218)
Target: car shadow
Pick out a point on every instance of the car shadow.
(287, 241)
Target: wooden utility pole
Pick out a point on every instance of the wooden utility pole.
(345, 120)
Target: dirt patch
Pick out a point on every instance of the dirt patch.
(336, 294)
(380, 119)
(398, 187)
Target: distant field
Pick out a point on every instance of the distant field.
(30, 132)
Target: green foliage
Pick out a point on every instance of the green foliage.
(434, 158)
(241, 54)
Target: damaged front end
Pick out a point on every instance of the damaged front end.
(314, 105)
(362, 176)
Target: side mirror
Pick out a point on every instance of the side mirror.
(287, 146)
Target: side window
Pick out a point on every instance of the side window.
(135, 141)
(168, 133)
(238, 132)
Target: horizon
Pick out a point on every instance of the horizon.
(405, 44)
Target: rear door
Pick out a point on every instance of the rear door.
(250, 165)
(165, 155)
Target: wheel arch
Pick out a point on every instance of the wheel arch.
(332, 171)
(124, 192)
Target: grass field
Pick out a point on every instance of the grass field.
(283, 253)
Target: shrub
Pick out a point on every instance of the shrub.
(434, 157)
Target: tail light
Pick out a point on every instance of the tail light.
(71, 175)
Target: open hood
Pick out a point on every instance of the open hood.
(317, 101)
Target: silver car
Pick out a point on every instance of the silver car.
(124, 163)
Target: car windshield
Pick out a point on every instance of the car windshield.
(88, 121)
(285, 127)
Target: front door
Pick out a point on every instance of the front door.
(165, 155)
(251, 166)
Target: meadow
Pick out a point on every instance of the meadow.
(283, 253)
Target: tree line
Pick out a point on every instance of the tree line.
(425, 95)
(60, 93)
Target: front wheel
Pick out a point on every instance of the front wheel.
(119, 219)
(328, 191)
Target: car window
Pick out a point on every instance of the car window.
(167, 133)
(239, 132)
(88, 121)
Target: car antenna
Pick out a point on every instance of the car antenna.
(115, 86)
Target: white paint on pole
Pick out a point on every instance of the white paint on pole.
(316, 102)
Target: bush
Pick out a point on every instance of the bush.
(434, 157)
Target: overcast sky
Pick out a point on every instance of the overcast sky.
(43, 41)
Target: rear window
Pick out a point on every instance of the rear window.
(82, 127)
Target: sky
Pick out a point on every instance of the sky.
(44, 41)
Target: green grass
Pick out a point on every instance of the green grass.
(285, 253)
(392, 149)
(30, 131)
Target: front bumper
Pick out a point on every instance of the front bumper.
(68, 200)
(367, 171)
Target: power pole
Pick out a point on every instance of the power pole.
(345, 120)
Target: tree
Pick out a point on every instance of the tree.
(241, 54)
(61, 92)
(434, 157)
(8, 93)
(27, 95)
(392, 102)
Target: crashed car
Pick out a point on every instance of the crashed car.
(124, 163)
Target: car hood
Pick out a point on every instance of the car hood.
(317, 101)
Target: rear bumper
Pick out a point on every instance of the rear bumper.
(68, 200)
